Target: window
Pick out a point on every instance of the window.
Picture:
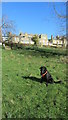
(23, 36)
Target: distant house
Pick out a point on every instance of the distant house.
(43, 40)
(65, 42)
(58, 41)
(25, 38)
(50, 43)
(27, 42)
(61, 41)
(15, 39)
(4, 38)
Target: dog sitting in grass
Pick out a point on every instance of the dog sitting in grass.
(46, 76)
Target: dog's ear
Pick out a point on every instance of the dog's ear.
(42, 67)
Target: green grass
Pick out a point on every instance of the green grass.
(23, 94)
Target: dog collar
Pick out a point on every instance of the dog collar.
(44, 74)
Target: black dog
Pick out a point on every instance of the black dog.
(46, 76)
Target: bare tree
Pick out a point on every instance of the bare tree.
(62, 18)
(58, 14)
(6, 26)
(63, 24)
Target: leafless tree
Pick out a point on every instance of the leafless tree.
(62, 19)
(6, 26)
(58, 14)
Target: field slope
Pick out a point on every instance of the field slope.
(23, 94)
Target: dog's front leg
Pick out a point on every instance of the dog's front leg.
(41, 80)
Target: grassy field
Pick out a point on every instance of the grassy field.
(23, 94)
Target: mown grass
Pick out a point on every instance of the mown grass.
(23, 94)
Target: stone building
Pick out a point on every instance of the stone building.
(15, 39)
(60, 41)
(43, 40)
(25, 38)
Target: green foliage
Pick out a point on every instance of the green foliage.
(23, 94)
(57, 37)
(35, 39)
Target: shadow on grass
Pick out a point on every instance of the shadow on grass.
(49, 52)
(32, 78)
(35, 51)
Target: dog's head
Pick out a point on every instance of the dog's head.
(42, 70)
